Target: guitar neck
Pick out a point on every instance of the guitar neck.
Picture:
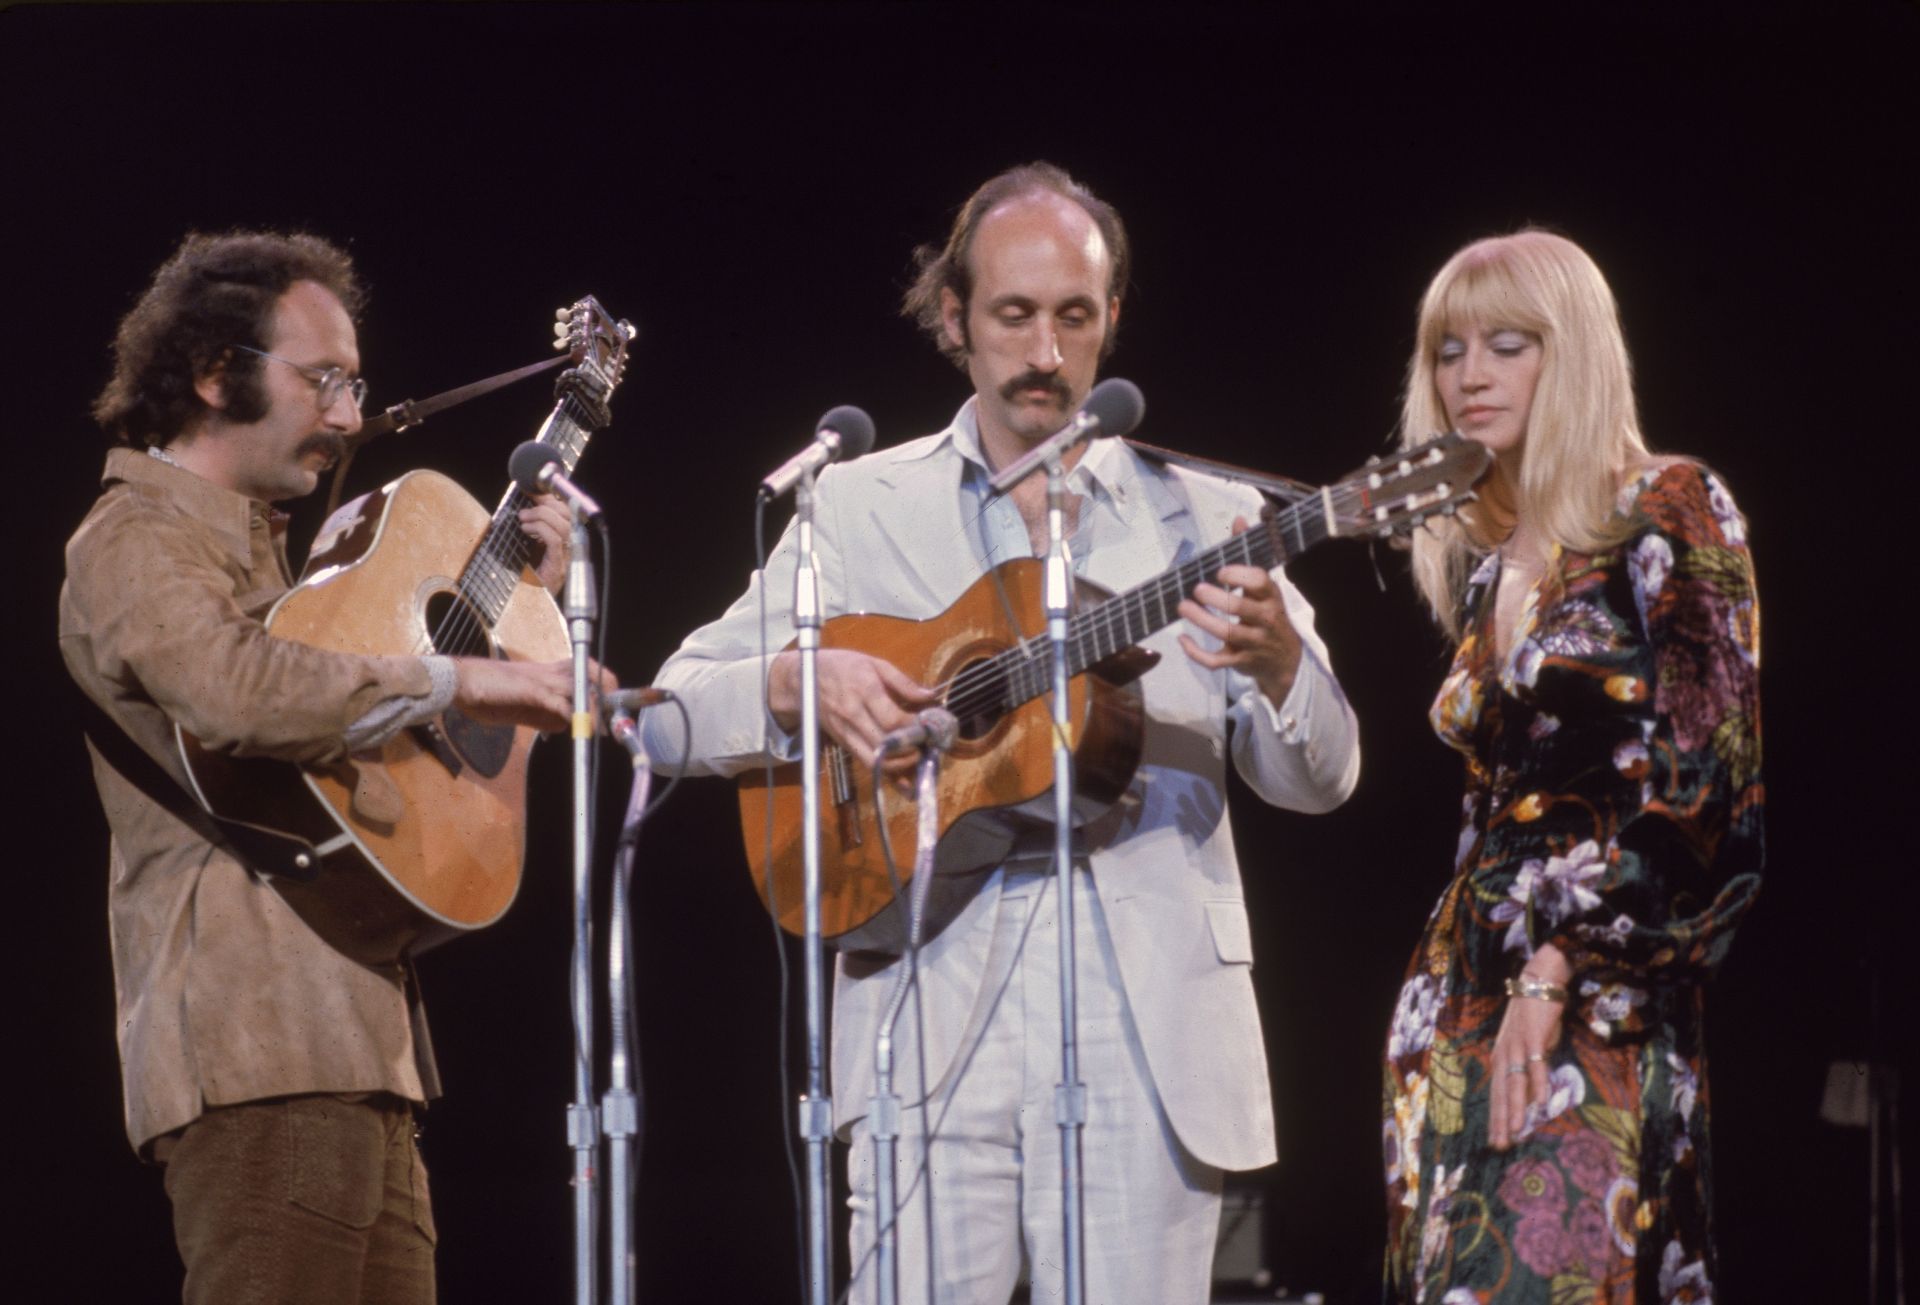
(1024, 671)
(505, 551)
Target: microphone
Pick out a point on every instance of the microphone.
(621, 708)
(934, 728)
(535, 468)
(632, 700)
(1113, 407)
(846, 432)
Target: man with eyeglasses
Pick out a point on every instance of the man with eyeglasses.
(274, 1078)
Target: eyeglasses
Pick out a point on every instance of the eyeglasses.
(331, 381)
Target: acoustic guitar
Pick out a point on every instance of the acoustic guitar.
(990, 656)
(400, 848)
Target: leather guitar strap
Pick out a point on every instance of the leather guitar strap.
(1283, 489)
(411, 412)
(262, 850)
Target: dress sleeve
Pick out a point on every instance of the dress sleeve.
(1684, 866)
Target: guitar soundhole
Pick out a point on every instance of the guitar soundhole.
(457, 629)
(978, 699)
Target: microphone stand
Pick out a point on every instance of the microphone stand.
(885, 1121)
(1069, 1095)
(619, 1108)
(816, 1108)
(583, 1128)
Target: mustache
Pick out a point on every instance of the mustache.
(1053, 383)
(332, 444)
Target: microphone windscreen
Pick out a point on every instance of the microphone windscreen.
(853, 426)
(527, 462)
(943, 727)
(1116, 404)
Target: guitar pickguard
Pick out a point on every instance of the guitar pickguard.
(486, 748)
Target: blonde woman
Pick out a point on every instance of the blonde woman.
(1546, 1102)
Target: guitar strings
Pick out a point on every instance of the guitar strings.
(1020, 672)
(492, 574)
(987, 685)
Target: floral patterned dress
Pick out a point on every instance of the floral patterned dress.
(1612, 809)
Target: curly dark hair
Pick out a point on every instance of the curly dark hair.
(948, 268)
(216, 291)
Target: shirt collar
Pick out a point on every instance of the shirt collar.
(231, 515)
(1100, 467)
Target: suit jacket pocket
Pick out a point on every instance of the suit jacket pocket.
(1232, 939)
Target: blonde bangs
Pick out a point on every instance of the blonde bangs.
(1479, 289)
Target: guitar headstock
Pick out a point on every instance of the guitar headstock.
(1392, 495)
(597, 346)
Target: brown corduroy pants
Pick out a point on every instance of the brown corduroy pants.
(309, 1199)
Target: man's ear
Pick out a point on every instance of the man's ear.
(953, 318)
(211, 384)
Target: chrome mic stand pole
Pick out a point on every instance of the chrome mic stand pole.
(619, 1108)
(1069, 1095)
(583, 1129)
(816, 1108)
(885, 1121)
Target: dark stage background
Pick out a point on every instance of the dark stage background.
(746, 183)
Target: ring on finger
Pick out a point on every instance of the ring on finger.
(1537, 1058)
(1516, 1068)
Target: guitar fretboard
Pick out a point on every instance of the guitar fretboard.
(504, 551)
(1024, 672)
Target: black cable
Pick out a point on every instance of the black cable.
(791, 1144)
(593, 757)
(929, 1133)
(912, 959)
(959, 1072)
(686, 757)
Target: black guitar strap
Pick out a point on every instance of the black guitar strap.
(411, 412)
(1281, 489)
(262, 850)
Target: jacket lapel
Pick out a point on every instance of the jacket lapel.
(1155, 524)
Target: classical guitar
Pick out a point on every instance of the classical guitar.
(995, 677)
(403, 847)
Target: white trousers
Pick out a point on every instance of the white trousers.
(989, 1190)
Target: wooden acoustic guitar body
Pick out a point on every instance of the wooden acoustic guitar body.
(995, 782)
(424, 838)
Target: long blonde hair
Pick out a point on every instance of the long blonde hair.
(1583, 432)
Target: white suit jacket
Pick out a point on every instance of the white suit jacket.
(891, 538)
